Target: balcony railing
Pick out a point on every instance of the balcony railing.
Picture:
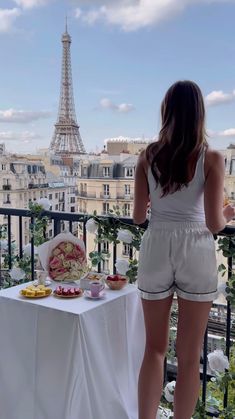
(38, 185)
(6, 187)
(84, 194)
(125, 197)
(105, 195)
(221, 324)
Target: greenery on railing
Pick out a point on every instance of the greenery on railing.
(115, 231)
(227, 246)
(21, 271)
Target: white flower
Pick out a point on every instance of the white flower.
(92, 226)
(169, 391)
(125, 236)
(27, 250)
(17, 273)
(164, 413)
(122, 266)
(3, 245)
(218, 361)
(45, 203)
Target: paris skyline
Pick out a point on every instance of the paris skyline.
(122, 64)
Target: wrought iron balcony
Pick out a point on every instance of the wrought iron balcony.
(6, 187)
(38, 185)
(220, 324)
(105, 195)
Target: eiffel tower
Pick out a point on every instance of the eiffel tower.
(66, 138)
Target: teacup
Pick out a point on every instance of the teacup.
(41, 277)
(96, 287)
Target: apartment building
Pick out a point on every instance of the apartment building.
(229, 157)
(104, 183)
(24, 179)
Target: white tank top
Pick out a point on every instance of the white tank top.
(184, 205)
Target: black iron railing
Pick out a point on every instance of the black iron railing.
(59, 220)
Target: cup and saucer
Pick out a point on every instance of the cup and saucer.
(96, 291)
(42, 278)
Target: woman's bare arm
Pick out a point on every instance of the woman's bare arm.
(141, 194)
(216, 216)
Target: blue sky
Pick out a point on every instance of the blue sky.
(125, 54)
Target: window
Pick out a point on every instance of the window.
(56, 207)
(127, 189)
(72, 200)
(105, 208)
(72, 209)
(126, 249)
(56, 196)
(105, 247)
(106, 190)
(127, 210)
(3, 167)
(106, 171)
(50, 233)
(129, 172)
(50, 196)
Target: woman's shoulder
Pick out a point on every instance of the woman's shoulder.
(213, 158)
(143, 160)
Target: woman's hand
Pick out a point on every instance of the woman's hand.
(229, 212)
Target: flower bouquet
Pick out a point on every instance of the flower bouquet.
(64, 257)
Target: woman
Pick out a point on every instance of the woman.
(184, 181)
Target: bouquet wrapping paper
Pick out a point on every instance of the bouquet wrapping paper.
(64, 257)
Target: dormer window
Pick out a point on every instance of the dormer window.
(106, 171)
(129, 171)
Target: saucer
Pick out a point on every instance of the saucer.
(46, 282)
(87, 294)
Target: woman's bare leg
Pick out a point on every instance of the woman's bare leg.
(192, 322)
(156, 316)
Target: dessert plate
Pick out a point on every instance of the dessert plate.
(35, 296)
(67, 296)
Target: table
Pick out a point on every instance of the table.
(70, 359)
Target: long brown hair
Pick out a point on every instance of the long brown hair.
(174, 156)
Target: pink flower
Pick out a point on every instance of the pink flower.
(55, 262)
(59, 271)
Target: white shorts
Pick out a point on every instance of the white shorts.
(178, 257)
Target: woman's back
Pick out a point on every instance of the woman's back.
(186, 204)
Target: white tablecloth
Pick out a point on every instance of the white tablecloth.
(70, 359)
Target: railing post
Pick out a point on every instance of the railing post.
(56, 226)
(9, 241)
(32, 249)
(20, 238)
(204, 376)
(114, 258)
(99, 250)
(228, 321)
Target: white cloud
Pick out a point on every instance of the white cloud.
(21, 137)
(135, 14)
(227, 133)
(218, 96)
(122, 107)
(29, 4)
(20, 116)
(7, 18)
